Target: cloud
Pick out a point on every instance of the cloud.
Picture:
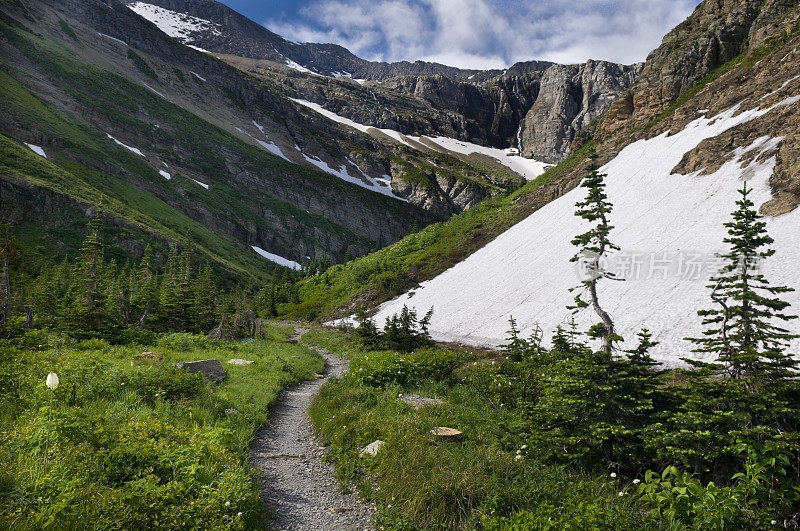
(488, 33)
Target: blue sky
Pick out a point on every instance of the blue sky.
(476, 33)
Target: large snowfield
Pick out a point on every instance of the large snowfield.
(669, 227)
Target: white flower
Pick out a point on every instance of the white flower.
(227, 504)
(239, 514)
(621, 493)
(517, 457)
(637, 481)
(519, 452)
(773, 522)
(52, 380)
(524, 446)
(613, 474)
(388, 506)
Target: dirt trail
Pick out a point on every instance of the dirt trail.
(295, 483)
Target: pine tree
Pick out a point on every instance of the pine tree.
(145, 296)
(8, 253)
(169, 299)
(203, 297)
(87, 311)
(594, 246)
(742, 331)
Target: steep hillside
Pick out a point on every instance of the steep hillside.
(181, 145)
(537, 106)
(673, 181)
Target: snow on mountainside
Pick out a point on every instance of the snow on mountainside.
(177, 25)
(528, 168)
(668, 226)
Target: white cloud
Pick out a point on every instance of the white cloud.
(488, 33)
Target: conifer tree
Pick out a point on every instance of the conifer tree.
(594, 245)
(169, 300)
(145, 297)
(204, 294)
(87, 310)
(742, 331)
(8, 253)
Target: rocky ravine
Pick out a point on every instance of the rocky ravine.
(295, 483)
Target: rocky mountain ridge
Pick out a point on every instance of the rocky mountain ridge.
(536, 106)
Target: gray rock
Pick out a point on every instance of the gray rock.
(372, 448)
(418, 401)
(239, 361)
(211, 369)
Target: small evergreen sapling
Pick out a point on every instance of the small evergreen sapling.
(594, 245)
(742, 331)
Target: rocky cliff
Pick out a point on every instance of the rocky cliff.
(537, 106)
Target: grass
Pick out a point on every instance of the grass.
(123, 444)
(421, 483)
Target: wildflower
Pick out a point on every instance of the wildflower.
(517, 458)
(621, 493)
(389, 506)
(239, 514)
(227, 504)
(524, 446)
(52, 380)
(773, 522)
(637, 481)
(519, 452)
(613, 474)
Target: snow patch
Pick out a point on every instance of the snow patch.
(113, 38)
(272, 148)
(668, 226)
(259, 127)
(364, 181)
(177, 25)
(785, 84)
(165, 174)
(36, 149)
(528, 168)
(129, 148)
(277, 259)
(204, 185)
(298, 67)
(198, 76)
(154, 90)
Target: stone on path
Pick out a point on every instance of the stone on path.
(211, 369)
(449, 434)
(372, 448)
(418, 401)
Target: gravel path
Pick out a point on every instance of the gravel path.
(295, 483)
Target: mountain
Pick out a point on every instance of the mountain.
(101, 107)
(716, 104)
(536, 106)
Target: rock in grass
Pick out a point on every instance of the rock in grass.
(149, 356)
(372, 448)
(418, 402)
(211, 369)
(447, 434)
(239, 361)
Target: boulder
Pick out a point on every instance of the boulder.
(149, 356)
(211, 369)
(447, 434)
(239, 361)
(418, 401)
(372, 448)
